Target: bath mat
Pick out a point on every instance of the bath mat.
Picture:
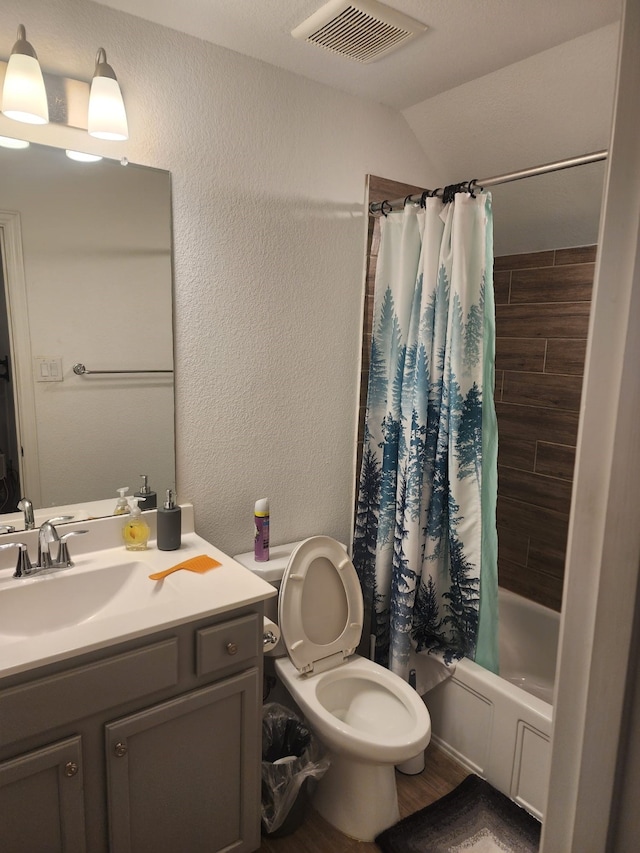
(473, 818)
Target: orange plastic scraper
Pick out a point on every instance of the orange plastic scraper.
(200, 564)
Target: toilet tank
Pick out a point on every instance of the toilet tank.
(271, 571)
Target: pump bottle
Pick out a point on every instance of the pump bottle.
(122, 505)
(135, 532)
(148, 498)
(169, 520)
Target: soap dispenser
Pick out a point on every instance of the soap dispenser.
(148, 498)
(135, 531)
(169, 519)
(122, 506)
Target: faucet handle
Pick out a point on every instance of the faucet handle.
(23, 566)
(59, 519)
(64, 558)
(7, 528)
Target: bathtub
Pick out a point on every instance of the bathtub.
(500, 726)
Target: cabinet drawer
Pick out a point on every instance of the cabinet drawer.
(228, 644)
(77, 693)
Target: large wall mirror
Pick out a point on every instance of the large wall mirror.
(87, 279)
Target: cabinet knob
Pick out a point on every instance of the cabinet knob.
(70, 768)
(232, 648)
(120, 749)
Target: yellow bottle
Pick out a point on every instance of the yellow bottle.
(135, 532)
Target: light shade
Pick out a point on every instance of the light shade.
(24, 97)
(107, 115)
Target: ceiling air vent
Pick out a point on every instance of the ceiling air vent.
(363, 30)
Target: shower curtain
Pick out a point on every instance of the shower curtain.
(425, 542)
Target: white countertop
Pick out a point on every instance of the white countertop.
(139, 606)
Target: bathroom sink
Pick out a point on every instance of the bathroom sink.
(55, 600)
(107, 598)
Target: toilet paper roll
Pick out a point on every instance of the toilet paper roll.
(270, 635)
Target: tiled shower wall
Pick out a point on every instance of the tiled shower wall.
(542, 315)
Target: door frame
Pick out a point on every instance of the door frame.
(20, 343)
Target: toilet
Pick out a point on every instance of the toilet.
(367, 717)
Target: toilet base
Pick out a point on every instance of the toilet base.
(360, 800)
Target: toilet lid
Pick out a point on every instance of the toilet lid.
(320, 608)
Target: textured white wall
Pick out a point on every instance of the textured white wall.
(268, 188)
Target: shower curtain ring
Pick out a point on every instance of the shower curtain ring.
(382, 210)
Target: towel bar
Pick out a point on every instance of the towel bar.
(81, 370)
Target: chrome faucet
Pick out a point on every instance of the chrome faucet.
(47, 535)
(27, 508)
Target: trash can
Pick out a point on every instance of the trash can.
(291, 756)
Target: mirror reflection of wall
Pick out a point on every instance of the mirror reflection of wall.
(95, 288)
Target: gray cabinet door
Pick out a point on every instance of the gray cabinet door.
(185, 774)
(49, 781)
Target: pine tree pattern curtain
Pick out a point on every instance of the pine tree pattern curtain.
(425, 543)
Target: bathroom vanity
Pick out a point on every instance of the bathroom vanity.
(137, 731)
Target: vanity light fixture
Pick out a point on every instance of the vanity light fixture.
(82, 156)
(24, 97)
(107, 115)
(10, 142)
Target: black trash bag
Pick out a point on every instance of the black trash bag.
(290, 756)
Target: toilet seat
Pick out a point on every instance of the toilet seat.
(320, 609)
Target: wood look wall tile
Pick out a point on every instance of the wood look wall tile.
(576, 255)
(571, 283)
(536, 586)
(543, 557)
(565, 355)
(536, 424)
(521, 354)
(513, 545)
(555, 460)
(535, 489)
(497, 385)
(542, 389)
(364, 380)
(501, 281)
(545, 320)
(516, 452)
(527, 519)
(526, 261)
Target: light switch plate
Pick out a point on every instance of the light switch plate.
(47, 369)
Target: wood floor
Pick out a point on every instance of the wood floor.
(441, 775)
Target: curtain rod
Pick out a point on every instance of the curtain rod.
(583, 160)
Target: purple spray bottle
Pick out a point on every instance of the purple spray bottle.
(261, 542)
